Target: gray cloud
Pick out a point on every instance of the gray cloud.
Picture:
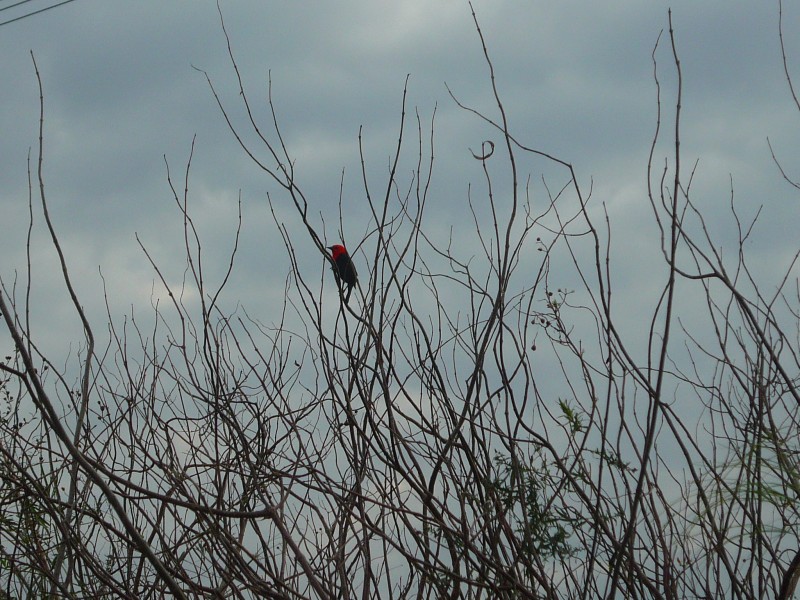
(576, 79)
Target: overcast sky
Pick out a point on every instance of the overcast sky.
(121, 93)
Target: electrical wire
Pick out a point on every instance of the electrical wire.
(13, 5)
(30, 14)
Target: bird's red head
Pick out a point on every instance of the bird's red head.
(337, 251)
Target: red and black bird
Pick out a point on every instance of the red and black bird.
(343, 268)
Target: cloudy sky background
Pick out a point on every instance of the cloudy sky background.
(122, 92)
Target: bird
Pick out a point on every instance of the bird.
(343, 268)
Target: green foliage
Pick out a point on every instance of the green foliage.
(526, 493)
(572, 416)
(27, 532)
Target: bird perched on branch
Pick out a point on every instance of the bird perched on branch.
(343, 268)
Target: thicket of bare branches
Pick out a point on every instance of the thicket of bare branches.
(465, 427)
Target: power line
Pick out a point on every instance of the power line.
(13, 5)
(30, 14)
